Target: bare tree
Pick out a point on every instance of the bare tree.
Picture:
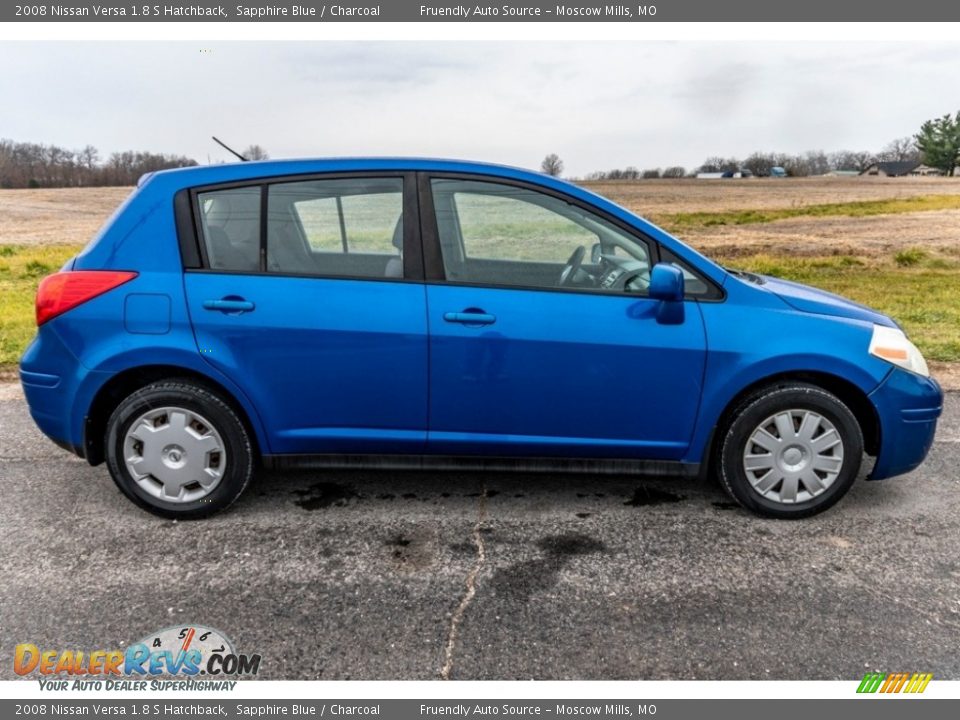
(674, 171)
(552, 165)
(759, 163)
(795, 165)
(88, 157)
(852, 160)
(712, 164)
(34, 165)
(255, 152)
(651, 174)
(720, 164)
(816, 162)
(900, 150)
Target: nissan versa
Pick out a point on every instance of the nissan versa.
(421, 313)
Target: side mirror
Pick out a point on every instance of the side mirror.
(666, 283)
(595, 252)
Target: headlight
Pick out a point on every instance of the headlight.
(892, 345)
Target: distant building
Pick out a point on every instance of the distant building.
(726, 174)
(901, 168)
(926, 170)
(894, 168)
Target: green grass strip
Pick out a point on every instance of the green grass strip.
(861, 208)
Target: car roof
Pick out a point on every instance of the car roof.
(252, 170)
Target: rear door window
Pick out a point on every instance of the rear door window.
(230, 226)
(336, 228)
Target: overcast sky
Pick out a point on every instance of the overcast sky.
(598, 105)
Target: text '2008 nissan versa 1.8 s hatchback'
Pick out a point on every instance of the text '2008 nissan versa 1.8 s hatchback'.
(421, 313)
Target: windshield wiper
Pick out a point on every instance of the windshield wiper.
(748, 276)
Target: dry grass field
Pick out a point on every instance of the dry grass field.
(664, 197)
(890, 243)
(832, 216)
(56, 217)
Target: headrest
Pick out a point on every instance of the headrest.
(398, 234)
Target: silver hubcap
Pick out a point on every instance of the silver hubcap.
(174, 454)
(793, 456)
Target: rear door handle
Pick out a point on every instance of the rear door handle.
(229, 305)
(470, 317)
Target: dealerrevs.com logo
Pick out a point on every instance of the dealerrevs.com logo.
(175, 652)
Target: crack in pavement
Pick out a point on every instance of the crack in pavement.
(471, 585)
(931, 615)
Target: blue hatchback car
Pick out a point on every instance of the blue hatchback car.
(424, 313)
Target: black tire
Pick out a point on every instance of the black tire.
(239, 462)
(741, 424)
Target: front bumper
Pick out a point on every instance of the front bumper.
(908, 406)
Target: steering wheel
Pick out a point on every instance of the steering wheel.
(633, 281)
(573, 266)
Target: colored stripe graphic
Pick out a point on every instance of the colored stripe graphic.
(894, 682)
(870, 683)
(924, 682)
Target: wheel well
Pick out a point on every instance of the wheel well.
(851, 396)
(129, 381)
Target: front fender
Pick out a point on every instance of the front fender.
(748, 344)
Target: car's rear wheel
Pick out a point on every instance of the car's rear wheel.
(178, 450)
(790, 451)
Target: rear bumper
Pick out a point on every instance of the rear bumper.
(45, 370)
(908, 407)
(50, 414)
(56, 387)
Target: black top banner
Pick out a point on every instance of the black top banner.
(515, 11)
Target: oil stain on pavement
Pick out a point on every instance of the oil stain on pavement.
(323, 495)
(524, 579)
(644, 496)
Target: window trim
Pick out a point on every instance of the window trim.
(435, 273)
(187, 238)
(264, 217)
(193, 247)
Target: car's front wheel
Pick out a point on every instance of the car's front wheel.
(178, 450)
(790, 451)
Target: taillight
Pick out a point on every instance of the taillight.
(65, 290)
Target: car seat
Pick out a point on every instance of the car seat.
(394, 267)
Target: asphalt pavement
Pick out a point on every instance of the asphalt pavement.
(416, 575)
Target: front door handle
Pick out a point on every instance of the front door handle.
(231, 304)
(470, 317)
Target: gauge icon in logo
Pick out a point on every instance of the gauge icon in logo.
(184, 638)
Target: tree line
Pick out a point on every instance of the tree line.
(33, 165)
(937, 144)
(814, 162)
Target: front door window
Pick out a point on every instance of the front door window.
(505, 235)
